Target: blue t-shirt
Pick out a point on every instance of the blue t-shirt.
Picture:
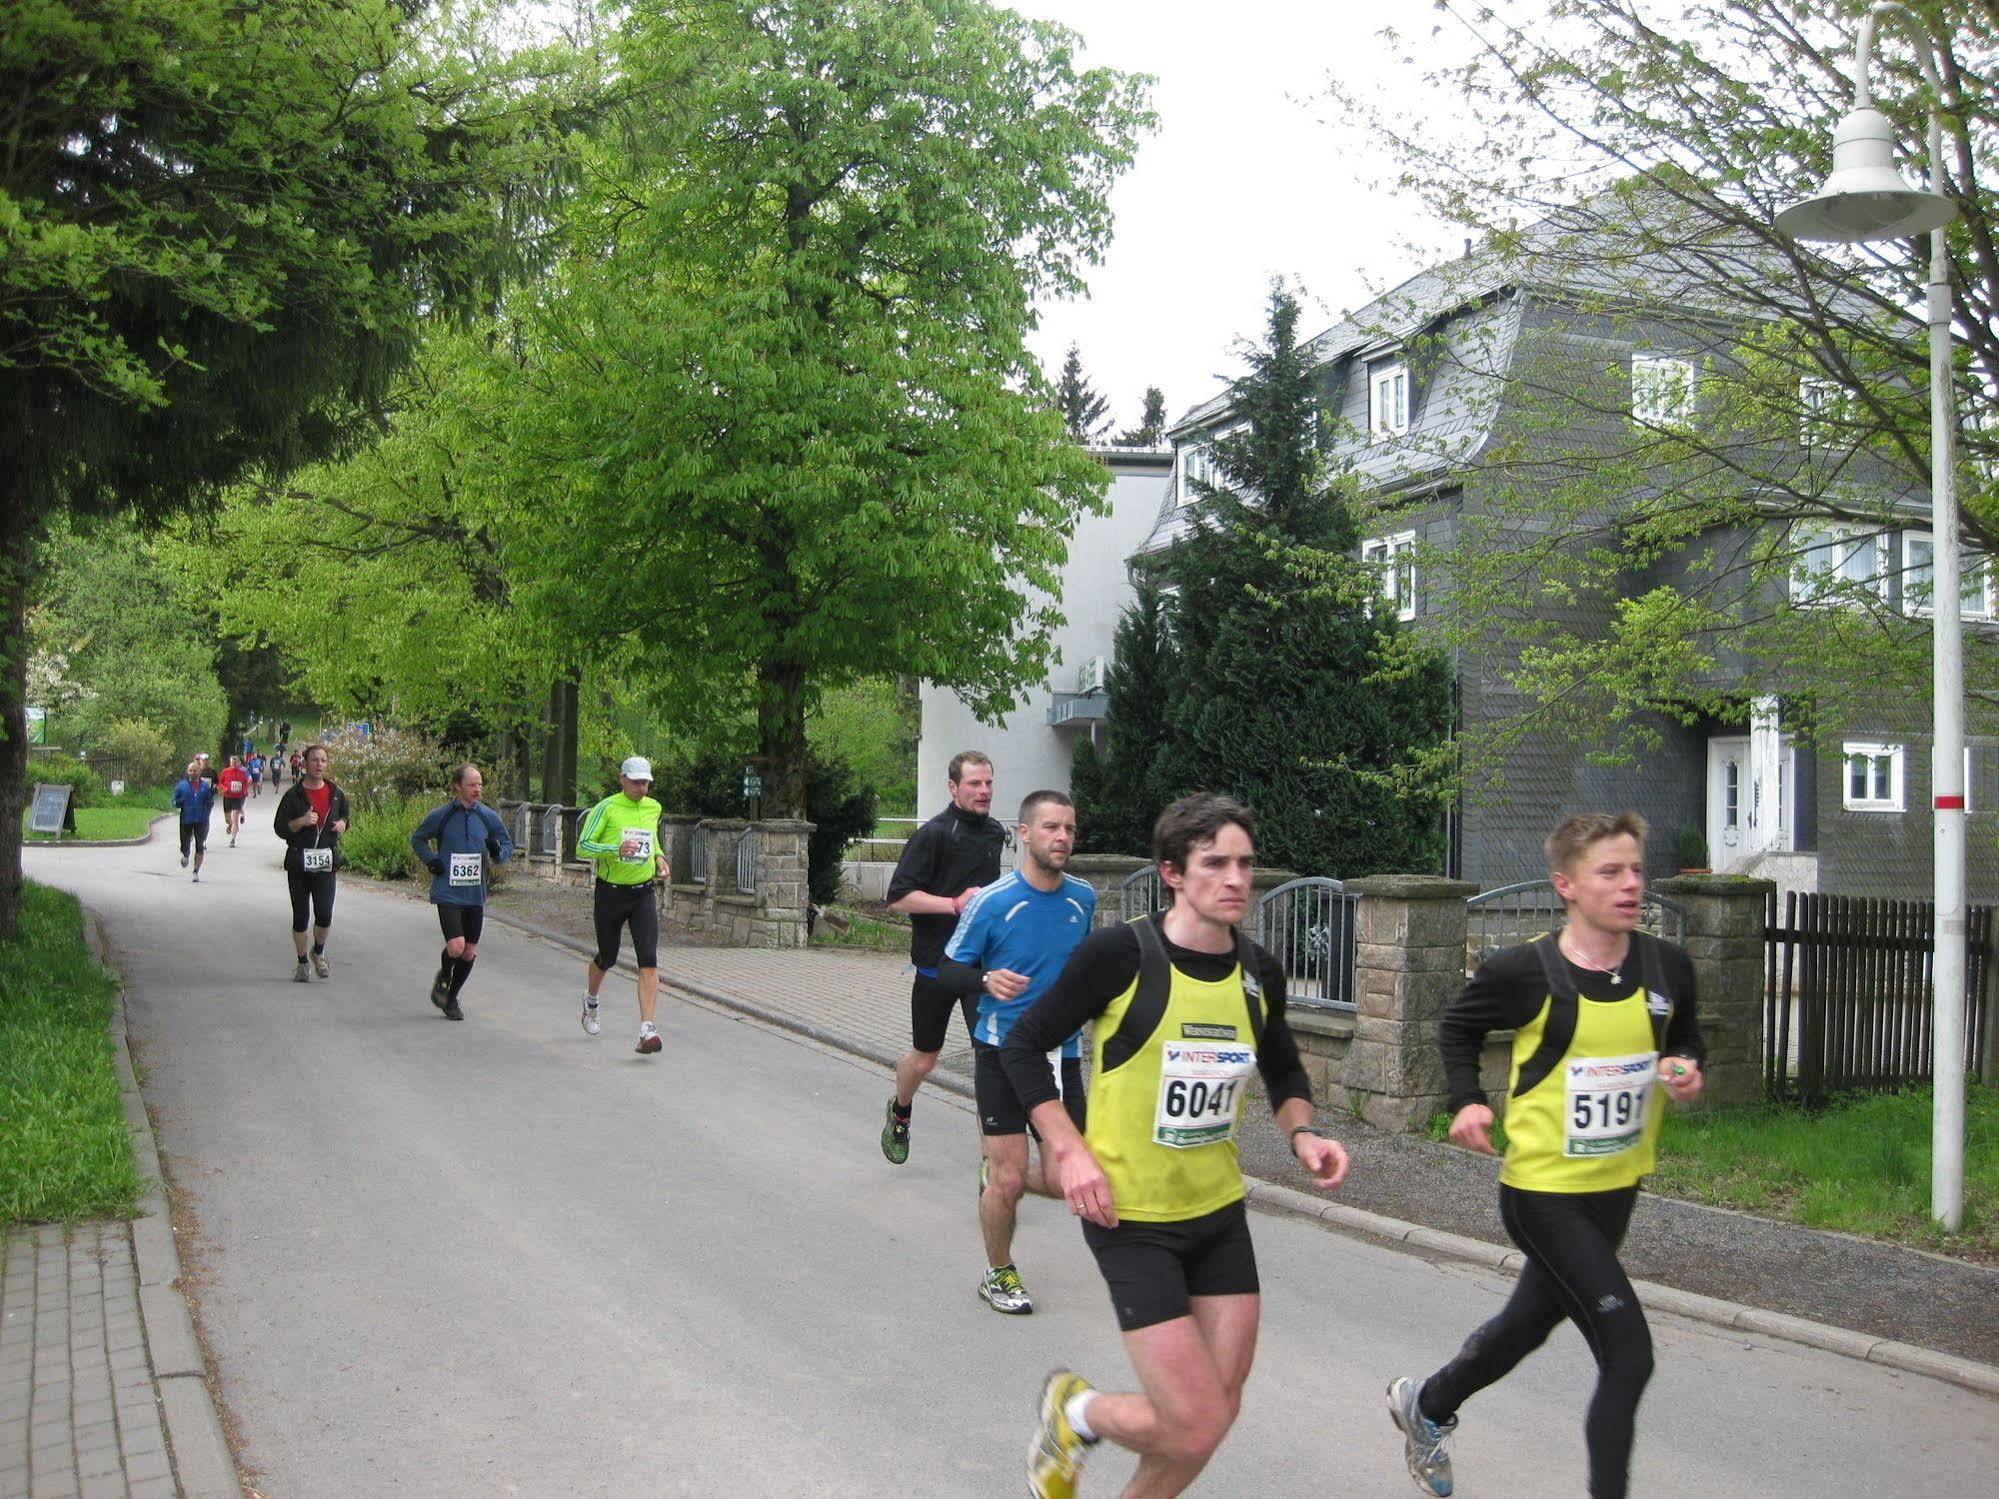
(1010, 924)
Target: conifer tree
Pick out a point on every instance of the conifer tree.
(1296, 693)
(1083, 410)
(1121, 788)
(1151, 424)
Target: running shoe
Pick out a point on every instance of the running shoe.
(1055, 1457)
(299, 974)
(1422, 1438)
(895, 1137)
(649, 1039)
(590, 1024)
(197, 877)
(440, 989)
(183, 861)
(320, 966)
(451, 1010)
(1002, 1291)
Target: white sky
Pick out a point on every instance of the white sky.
(1240, 182)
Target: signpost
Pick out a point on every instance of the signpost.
(52, 812)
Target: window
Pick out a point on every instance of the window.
(1838, 564)
(1825, 411)
(1197, 467)
(1388, 401)
(1662, 390)
(1919, 582)
(1395, 558)
(1873, 778)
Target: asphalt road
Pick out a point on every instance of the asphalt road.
(500, 1257)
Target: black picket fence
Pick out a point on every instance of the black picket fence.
(1848, 1006)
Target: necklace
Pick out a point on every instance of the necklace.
(1616, 973)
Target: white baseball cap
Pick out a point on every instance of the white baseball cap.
(637, 768)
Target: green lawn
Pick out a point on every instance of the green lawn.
(64, 1151)
(864, 932)
(126, 815)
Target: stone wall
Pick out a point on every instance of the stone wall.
(773, 912)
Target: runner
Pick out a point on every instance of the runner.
(255, 765)
(458, 843)
(943, 865)
(1182, 1008)
(622, 834)
(1010, 944)
(276, 766)
(234, 784)
(310, 818)
(1592, 1045)
(194, 796)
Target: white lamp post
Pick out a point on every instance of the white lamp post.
(1866, 199)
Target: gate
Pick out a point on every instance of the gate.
(1513, 914)
(1139, 894)
(1308, 926)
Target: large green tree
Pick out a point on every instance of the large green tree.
(1624, 160)
(777, 428)
(220, 228)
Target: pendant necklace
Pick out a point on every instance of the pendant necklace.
(1616, 975)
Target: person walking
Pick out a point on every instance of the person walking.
(459, 843)
(311, 816)
(621, 834)
(944, 864)
(234, 784)
(194, 798)
(1603, 1020)
(1182, 1008)
(1010, 944)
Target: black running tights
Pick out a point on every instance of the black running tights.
(1570, 1240)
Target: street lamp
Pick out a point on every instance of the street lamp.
(1866, 199)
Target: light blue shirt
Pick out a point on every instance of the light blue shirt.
(1010, 924)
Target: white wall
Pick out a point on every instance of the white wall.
(1028, 753)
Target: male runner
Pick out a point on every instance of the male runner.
(255, 765)
(459, 843)
(622, 834)
(1602, 1016)
(1010, 944)
(234, 784)
(943, 865)
(1181, 1008)
(194, 796)
(310, 818)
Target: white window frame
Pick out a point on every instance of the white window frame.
(1388, 400)
(1663, 389)
(1824, 407)
(1394, 558)
(1808, 584)
(1197, 462)
(1891, 758)
(1974, 577)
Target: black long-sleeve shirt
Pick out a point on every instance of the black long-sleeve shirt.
(1509, 989)
(953, 852)
(1102, 967)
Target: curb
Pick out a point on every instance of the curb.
(202, 1463)
(1270, 1196)
(103, 842)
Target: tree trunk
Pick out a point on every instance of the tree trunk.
(558, 758)
(781, 736)
(14, 554)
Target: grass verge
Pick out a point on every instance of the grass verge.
(64, 1150)
(126, 815)
(863, 932)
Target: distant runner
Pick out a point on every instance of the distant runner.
(255, 765)
(310, 818)
(459, 843)
(194, 797)
(234, 784)
(621, 833)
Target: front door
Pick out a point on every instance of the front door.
(1749, 806)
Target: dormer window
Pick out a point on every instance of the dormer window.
(1388, 400)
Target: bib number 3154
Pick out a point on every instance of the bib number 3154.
(1200, 1086)
(316, 860)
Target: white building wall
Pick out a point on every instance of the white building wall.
(1029, 753)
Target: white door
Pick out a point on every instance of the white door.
(1727, 802)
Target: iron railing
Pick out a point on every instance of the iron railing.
(1513, 914)
(697, 856)
(746, 862)
(1139, 894)
(1308, 925)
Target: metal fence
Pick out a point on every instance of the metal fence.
(1513, 914)
(697, 856)
(1139, 894)
(746, 862)
(1308, 926)
(1848, 994)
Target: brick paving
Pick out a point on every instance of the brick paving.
(80, 1417)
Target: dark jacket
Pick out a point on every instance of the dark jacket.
(292, 805)
(953, 852)
(469, 832)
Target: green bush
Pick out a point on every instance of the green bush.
(388, 765)
(141, 753)
(377, 840)
(86, 788)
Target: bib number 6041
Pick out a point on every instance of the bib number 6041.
(1192, 1100)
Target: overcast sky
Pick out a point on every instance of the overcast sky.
(1241, 182)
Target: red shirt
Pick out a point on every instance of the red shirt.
(235, 781)
(321, 800)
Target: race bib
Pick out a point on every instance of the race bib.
(465, 869)
(316, 860)
(1607, 1100)
(1200, 1083)
(643, 838)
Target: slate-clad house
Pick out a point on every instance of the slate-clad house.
(1458, 392)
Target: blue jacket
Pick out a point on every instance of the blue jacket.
(196, 800)
(469, 839)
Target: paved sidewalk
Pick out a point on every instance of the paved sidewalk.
(1920, 1312)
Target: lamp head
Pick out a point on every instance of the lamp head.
(1865, 198)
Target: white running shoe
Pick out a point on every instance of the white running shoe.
(649, 1039)
(590, 1024)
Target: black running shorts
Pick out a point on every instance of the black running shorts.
(461, 921)
(930, 1006)
(1000, 1112)
(1154, 1269)
(617, 907)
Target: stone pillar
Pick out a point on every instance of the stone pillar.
(1106, 874)
(783, 890)
(676, 834)
(729, 910)
(1409, 963)
(1724, 935)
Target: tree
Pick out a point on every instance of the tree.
(1296, 693)
(1631, 158)
(221, 235)
(1084, 412)
(1151, 424)
(1121, 789)
(777, 429)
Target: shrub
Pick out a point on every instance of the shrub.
(840, 808)
(377, 840)
(85, 787)
(386, 766)
(140, 754)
